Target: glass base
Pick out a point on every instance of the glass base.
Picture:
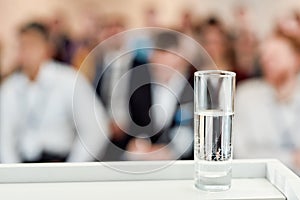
(212, 188)
(213, 176)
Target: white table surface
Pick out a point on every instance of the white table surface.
(251, 180)
(144, 190)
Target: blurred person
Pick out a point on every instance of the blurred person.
(217, 41)
(139, 41)
(289, 26)
(245, 44)
(162, 109)
(267, 109)
(60, 36)
(41, 111)
(110, 67)
(112, 24)
(86, 41)
(187, 22)
(246, 54)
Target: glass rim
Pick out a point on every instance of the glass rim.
(220, 73)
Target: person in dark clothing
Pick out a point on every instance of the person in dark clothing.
(160, 106)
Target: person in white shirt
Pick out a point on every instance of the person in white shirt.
(267, 109)
(48, 113)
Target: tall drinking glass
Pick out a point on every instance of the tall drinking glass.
(214, 109)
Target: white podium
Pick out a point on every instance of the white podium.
(252, 179)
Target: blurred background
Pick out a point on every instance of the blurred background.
(262, 15)
(259, 40)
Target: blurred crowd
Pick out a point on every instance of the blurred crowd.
(51, 113)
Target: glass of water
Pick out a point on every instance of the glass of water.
(214, 110)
